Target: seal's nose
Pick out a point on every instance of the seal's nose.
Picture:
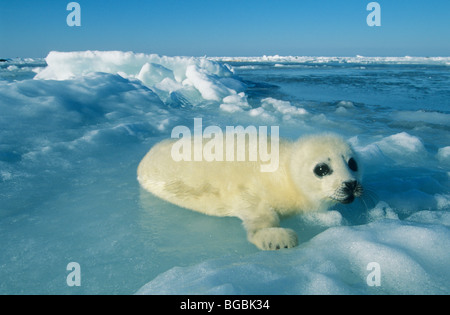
(351, 185)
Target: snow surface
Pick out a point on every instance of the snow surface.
(72, 137)
(334, 262)
(280, 61)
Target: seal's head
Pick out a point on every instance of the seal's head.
(325, 170)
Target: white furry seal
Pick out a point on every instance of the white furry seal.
(314, 172)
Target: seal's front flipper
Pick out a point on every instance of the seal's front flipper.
(273, 238)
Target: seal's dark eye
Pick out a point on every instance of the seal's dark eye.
(322, 170)
(353, 165)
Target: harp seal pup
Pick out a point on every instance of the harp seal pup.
(314, 173)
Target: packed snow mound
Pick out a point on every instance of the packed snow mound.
(178, 78)
(401, 148)
(178, 81)
(340, 260)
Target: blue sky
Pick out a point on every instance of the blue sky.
(32, 28)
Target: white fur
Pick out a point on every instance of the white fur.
(240, 189)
